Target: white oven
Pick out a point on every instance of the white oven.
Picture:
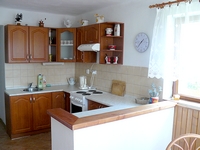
(78, 101)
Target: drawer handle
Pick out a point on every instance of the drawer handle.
(31, 99)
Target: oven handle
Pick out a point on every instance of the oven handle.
(76, 104)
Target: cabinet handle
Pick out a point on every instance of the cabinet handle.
(31, 99)
(30, 56)
(27, 57)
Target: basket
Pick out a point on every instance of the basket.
(142, 100)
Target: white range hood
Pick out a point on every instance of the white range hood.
(89, 47)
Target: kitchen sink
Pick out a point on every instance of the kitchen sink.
(32, 89)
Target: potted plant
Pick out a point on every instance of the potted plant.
(154, 93)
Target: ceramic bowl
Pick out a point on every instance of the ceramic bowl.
(111, 47)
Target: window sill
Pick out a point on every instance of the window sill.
(187, 104)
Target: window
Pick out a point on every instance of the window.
(188, 35)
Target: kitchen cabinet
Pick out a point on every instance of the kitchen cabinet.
(52, 44)
(61, 100)
(84, 56)
(26, 44)
(95, 105)
(67, 100)
(91, 34)
(58, 100)
(66, 45)
(111, 40)
(27, 114)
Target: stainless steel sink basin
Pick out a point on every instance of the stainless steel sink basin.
(31, 89)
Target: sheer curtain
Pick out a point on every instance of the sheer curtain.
(173, 36)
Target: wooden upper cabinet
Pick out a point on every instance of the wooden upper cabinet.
(38, 48)
(16, 43)
(85, 56)
(26, 44)
(66, 44)
(91, 34)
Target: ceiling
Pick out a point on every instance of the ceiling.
(69, 7)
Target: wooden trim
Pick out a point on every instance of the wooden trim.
(73, 122)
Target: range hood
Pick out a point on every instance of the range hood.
(89, 47)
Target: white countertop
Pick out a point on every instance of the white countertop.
(115, 102)
(65, 88)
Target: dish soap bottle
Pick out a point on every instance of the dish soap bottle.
(39, 81)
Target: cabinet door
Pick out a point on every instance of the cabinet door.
(21, 114)
(66, 44)
(94, 105)
(39, 41)
(16, 43)
(91, 34)
(58, 100)
(67, 100)
(41, 102)
(83, 56)
(79, 41)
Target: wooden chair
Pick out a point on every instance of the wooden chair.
(185, 142)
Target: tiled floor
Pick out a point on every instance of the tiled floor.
(35, 142)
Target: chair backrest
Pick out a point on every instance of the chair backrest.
(185, 142)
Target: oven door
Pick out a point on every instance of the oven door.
(75, 107)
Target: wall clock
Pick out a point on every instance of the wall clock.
(141, 42)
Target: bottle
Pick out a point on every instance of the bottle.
(39, 81)
(117, 30)
(44, 82)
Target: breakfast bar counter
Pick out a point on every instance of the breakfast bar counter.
(114, 128)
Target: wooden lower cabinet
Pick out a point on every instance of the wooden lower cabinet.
(94, 105)
(27, 114)
(61, 100)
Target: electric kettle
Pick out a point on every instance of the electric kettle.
(71, 81)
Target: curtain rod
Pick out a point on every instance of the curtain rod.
(162, 5)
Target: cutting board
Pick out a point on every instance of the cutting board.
(118, 87)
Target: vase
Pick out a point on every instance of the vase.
(153, 100)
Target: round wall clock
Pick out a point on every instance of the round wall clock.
(141, 42)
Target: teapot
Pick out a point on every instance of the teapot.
(71, 81)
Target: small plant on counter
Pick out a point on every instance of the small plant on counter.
(155, 91)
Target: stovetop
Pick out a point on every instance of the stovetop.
(89, 92)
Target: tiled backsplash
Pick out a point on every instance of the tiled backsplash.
(137, 82)
(20, 75)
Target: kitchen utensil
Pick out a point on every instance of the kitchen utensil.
(111, 47)
(118, 87)
(71, 81)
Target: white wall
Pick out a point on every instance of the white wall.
(152, 131)
(32, 18)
